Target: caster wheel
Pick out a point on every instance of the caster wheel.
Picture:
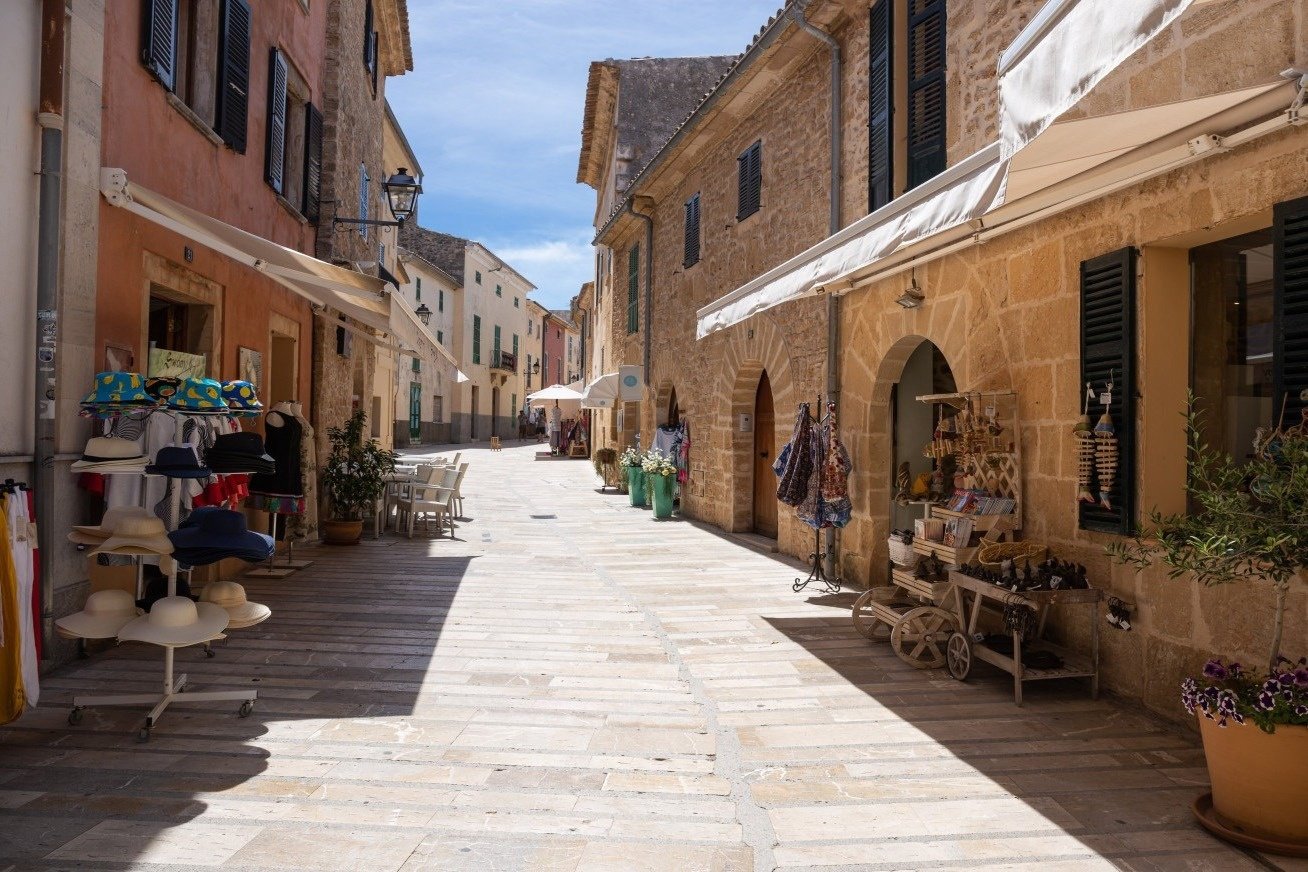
(246, 708)
(958, 656)
(143, 735)
(74, 717)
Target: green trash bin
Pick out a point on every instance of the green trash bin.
(661, 487)
(636, 485)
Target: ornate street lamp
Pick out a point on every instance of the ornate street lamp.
(423, 313)
(401, 191)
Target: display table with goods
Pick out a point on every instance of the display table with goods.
(179, 427)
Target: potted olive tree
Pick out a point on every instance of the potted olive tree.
(1248, 523)
(353, 479)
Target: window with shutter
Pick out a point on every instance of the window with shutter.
(233, 101)
(691, 253)
(312, 162)
(369, 58)
(159, 40)
(476, 339)
(417, 289)
(633, 289)
(1290, 286)
(515, 346)
(274, 161)
(364, 198)
(881, 101)
(926, 90)
(440, 300)
(749, 181)
(495, 346)
(1108, 337)
(376, 64)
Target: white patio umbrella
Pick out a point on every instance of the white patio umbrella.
(567, 399)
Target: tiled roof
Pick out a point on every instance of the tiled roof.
(441, 249)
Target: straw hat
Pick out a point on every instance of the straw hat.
(110, 454)
(137, 535)
(231, 596)
(175, 621)
(106, 612)
(83, 535)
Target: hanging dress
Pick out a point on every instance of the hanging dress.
(12, 697)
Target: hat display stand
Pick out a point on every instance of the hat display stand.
(287, 567)
(173, 685)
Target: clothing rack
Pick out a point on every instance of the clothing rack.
(173, 685)
(817, 573)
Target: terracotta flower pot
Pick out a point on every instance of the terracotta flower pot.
(342, 532)
(1260, 785)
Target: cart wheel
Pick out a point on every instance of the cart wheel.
(919, 637)
(75, 716)
(866, 622)
(143, 735)
(958, 656)
(245, 709)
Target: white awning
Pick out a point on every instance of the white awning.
(602, 393)
(413, 334)
(1068, 164)
(1063, 52)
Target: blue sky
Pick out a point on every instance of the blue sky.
(494, 105)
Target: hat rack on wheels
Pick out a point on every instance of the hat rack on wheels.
(173, 687)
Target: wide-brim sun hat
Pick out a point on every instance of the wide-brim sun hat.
(103, 452)
(177, 621)
(137, 535)
(230, 596)
(85, 535)
(105, 613)
(203, 395)
(220, 529)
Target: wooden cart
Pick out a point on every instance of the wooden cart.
(962, 650)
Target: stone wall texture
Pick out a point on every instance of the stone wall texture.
(1005, 314)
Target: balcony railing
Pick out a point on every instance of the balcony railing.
(505, 360)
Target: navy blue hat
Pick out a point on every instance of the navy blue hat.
(220, 530)
(178, 461)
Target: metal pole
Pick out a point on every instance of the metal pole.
(50, 118)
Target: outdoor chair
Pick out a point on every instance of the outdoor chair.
(431, 499)
(458, 491)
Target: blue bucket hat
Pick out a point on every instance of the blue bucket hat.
(199, 395)
(115, 389)
(241, 398)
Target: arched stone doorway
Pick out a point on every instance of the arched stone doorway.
(764, 517)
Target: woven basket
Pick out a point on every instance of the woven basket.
(993, 554)
(902, 554)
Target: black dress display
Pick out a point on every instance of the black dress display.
(283, 443)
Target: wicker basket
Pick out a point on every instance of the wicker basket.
(902, 553)
(993, 554)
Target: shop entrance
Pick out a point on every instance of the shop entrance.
(282, 366)
(765, 482)
(415, 411)
(925, 372)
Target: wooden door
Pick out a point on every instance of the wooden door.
(765, 480)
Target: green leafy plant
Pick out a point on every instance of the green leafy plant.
(1248, 522)
(353, 478)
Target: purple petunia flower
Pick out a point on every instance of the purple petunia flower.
(1286, 679)
(1301, 677)
(1215, 670)
(1301, 711)
(1266, 701)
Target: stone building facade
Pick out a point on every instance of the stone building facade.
(1000, 311)
(425, 390)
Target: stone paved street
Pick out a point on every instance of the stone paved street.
(573, 686)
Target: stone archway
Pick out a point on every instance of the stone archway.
(751, 348)
(665, 400)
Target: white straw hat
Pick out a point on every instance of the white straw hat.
(176, 621)
(137, 535)
(230, 596)
(110, 454)
(106, 612)
(83, 535)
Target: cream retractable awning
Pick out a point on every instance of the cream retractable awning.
(1069, 163)
(413, 334)
(602, 393)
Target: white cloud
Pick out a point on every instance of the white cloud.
(558, 267)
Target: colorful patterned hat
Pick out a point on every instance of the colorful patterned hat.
(199, 395)
(118, 389)
(162, 387)
(241, 398)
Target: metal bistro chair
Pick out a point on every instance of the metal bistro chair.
(431, 499)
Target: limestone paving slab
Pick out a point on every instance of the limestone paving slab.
(582, 692)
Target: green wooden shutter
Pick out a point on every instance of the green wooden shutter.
(749, 181)
(274, 152)
(1290, 283)
(515, 349)
(1108, 337)
(633, 289)
(926, 90)
(312, 162)
(476, 339)
(159, 40)
(881, 101)
(233, 102)
(691, 241)
(495, 347)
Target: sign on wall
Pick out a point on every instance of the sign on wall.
(630, 383)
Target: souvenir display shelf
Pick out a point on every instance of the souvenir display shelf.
(173, 686)
(982, 437)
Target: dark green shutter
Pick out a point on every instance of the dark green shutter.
(369, 46)
(1290, 281)
(274, 159)
(1108, 302)
(312, 161)
(926, 90)
(476, 339)
(633, 289)
(881, 101)
(691, 241)
(233, 74)
(749, 181)
(159, 40)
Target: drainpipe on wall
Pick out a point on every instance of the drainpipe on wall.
(796, 13)
(649, 280)
(50, 117)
